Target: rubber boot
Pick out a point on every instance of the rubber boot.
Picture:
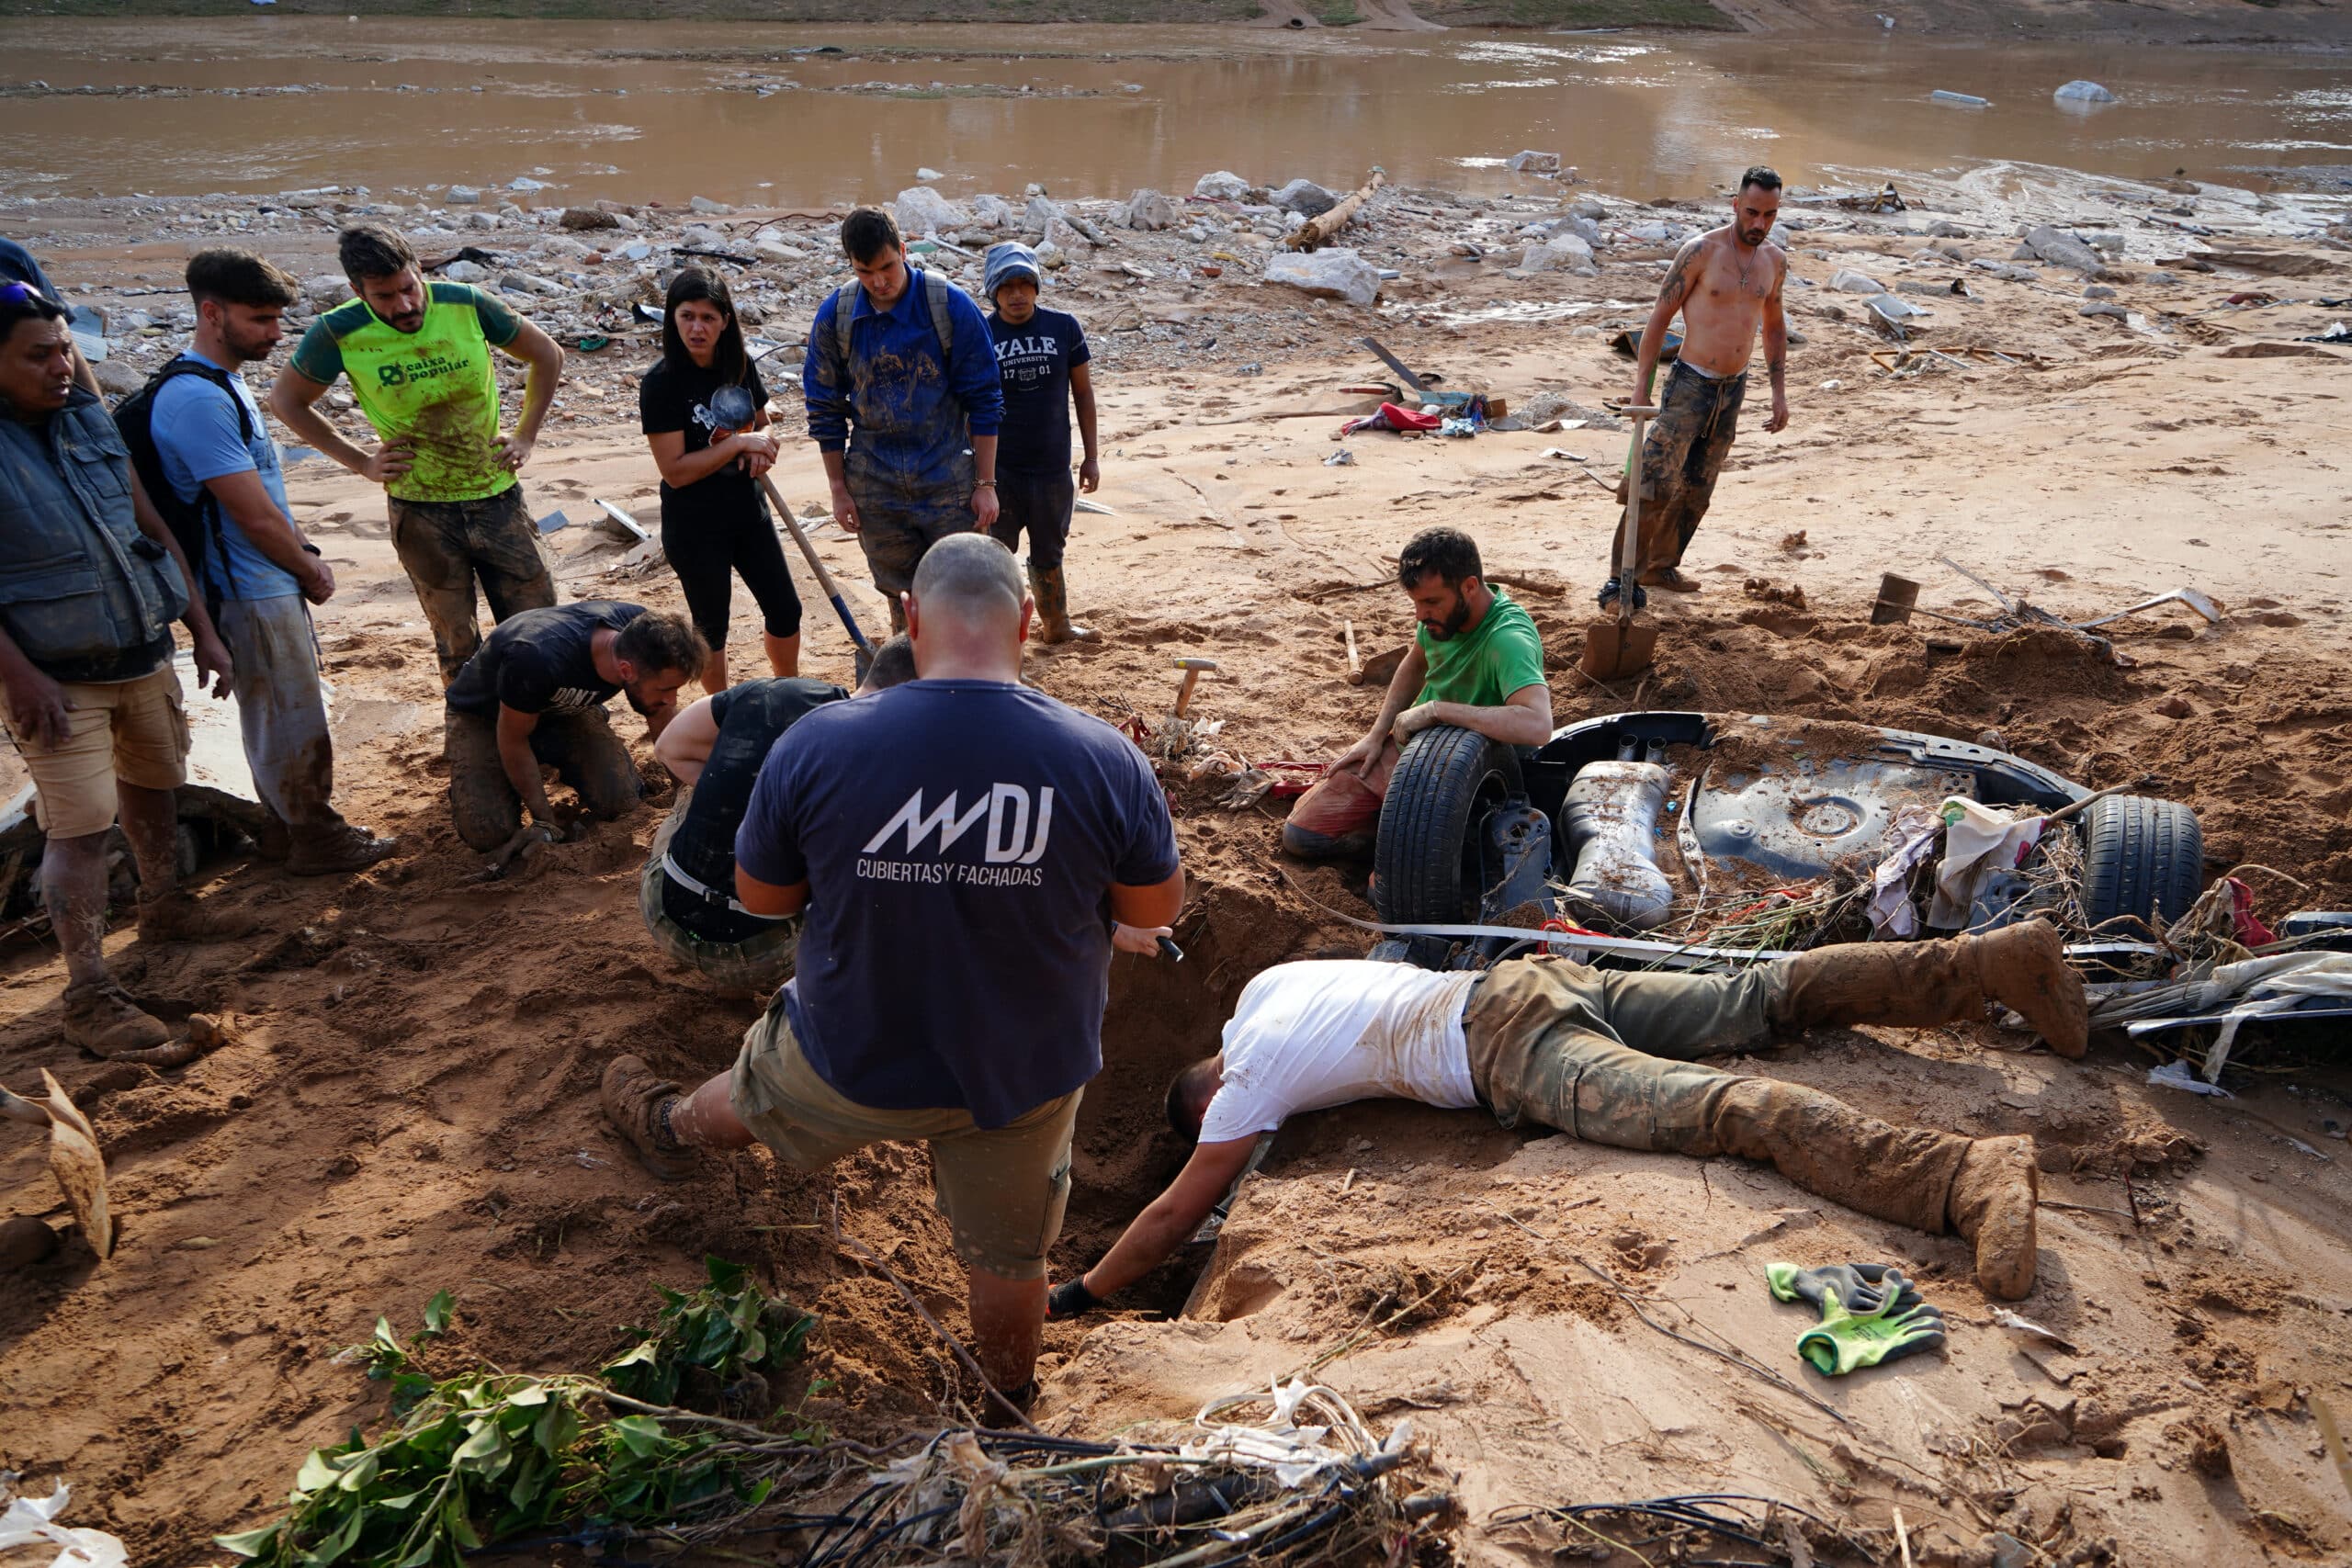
(1046, 586)
(1915, 985)
(177, 916)
(343, 848)
(101, 1019)
(636, 1097)
(1992, 1204)
(1979, 1189)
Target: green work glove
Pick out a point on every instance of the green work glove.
(1870, 1314)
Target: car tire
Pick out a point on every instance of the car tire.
(2142, 859)
(1425, 857)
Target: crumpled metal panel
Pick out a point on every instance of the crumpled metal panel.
(1801, 820)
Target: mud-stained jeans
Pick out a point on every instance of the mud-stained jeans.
(1609, 1056)
(581, 746)
(899, 518)
(1698, 417)
(281, 708)
(446, 546)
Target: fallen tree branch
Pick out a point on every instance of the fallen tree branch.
(1317, 232)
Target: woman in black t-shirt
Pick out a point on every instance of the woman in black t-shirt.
(714, 521)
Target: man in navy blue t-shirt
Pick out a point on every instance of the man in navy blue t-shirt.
(962, 847)
(1043, 358)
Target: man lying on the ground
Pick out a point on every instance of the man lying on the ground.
(1609, 1056)
(1476, 662)
(536, 693)
(714, 747)
(961, 845)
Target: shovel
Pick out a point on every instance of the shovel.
(73, 1159)
(1614, 646)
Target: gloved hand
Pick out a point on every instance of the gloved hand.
(1870, 1314)
(1856, 1285)
(1069, 1299)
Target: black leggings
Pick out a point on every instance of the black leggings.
(706, 551)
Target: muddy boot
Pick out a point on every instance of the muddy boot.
(1046, 586)
(637, 1102)
(1916, 984)
(177, 917)
(341, 849)
(1670, 580)
(101, 1019)
(1992, 1204)
(1830, 1149)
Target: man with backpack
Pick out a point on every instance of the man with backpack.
(206, 455)
(900, 375)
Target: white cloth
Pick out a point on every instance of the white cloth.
(1980, 842)
(1309, 1035)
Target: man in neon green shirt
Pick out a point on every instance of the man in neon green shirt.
(1476, 662)
(419, 357)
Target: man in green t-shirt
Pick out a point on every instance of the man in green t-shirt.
(1476, 662)
(418, 354)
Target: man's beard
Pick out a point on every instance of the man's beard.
(1451, 626)
(1752, 238)
(644, 709)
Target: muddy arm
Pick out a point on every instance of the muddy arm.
(1175, 1214)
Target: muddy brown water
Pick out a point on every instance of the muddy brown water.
(650, 111)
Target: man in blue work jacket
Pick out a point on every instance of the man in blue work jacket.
(904, 401)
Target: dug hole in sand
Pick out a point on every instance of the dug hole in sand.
(413, 1102)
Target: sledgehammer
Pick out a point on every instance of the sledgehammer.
(1191, 669)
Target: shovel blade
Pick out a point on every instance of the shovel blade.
(1614, 650)
(80, 1169)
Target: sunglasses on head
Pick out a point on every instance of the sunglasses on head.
(15, 293)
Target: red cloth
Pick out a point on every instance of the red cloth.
(2250, 928)
(1401, 417)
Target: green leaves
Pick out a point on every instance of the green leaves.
(486, 1456)
(723, 1331)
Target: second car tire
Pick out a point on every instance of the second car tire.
(2142, 858)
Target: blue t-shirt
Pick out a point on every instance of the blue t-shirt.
(196, 432)
(1035, 359)
(959, 839)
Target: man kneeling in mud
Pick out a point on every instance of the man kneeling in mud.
(714, 747)
(1609, 1057)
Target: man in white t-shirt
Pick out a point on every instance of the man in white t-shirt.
(1609, 1056)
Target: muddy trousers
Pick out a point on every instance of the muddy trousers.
(1609, 1057)
(1698, 418)
(898, 519)
(580, 746)
(447, 546)
(281, 708)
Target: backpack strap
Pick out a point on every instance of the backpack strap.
(937, 290)
(203, 515)
(845, 300)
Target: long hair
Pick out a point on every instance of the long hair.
(727, 355)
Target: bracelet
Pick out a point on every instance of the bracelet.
(984, 484)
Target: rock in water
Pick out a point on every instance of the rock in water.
(1305, 197)
(1222, 186)
(1327, 275)
(929, 176)
(1532, 163)
(1149, 209)
(2083, 92)
(922, 210)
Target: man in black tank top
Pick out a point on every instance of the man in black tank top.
(716, 747)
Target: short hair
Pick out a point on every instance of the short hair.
(894, 665)
(1189, 1093)
(25, 303)
(969, 577)
(370, 250)
(727, 356)
(867, 233)
(654, 641)
(231, 277)
(1762, 176)
(1449, 552)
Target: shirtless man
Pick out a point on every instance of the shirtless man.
(1725, 283)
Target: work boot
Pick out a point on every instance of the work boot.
(1916, 984)
(1610, 589)
(101, 1019)
(1992, 1203)
(1669, 579)
(177, 916)
(317, 851)
(636, 1102)
(1046, 586)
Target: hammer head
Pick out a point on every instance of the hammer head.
(1196, 664)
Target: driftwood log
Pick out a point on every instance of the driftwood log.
(1317, 232)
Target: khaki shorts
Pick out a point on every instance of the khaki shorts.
(131, 730)
(1002, 1189)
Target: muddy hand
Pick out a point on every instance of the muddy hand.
(844, 511)
(517, 849)
(984, 508)
(37, 708)
(1780, 420)
(390, 463)
(514, 451)
(211, 657)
